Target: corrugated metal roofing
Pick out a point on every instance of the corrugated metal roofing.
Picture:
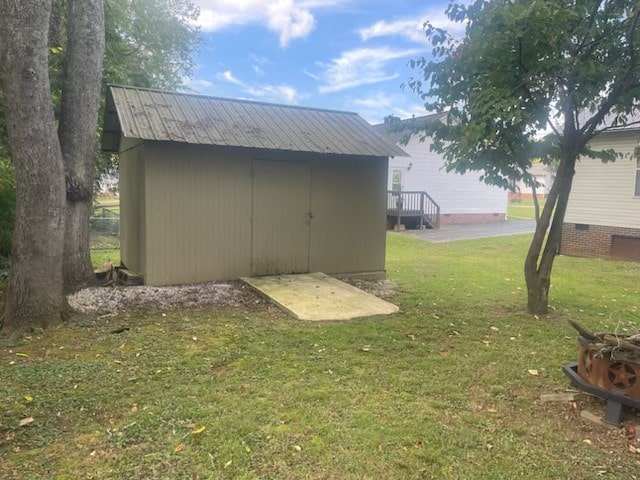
(196, 119)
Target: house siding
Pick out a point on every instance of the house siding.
(463, 198)
(603, 193)
(602, 208)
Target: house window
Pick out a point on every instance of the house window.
(396, 180)
(638, 176)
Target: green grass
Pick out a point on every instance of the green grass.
(100, 257)
(112, 209)
(441, 392)
(522, 209)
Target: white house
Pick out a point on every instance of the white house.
(603, 213)
(461, 198)
(543, 174)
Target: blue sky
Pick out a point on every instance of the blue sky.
(339, 54)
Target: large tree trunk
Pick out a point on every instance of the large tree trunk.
(545, 246)
(33, 296)
(77, 132)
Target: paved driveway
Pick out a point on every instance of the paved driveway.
(451, 233)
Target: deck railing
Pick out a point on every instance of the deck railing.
(415, 204)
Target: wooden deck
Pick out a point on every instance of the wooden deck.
(416, 205)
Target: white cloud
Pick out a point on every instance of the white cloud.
(197, 83)
(376, 106)
(289, 19)
(359, 67)
(269, 93)
(258, 63)
(228, 76)
(275, 93)
(413, 29)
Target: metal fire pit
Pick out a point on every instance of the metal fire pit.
(617, 373)
(615, 401)
(616, 380)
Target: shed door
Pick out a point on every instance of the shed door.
(281, 217)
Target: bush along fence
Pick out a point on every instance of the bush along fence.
(105, 227)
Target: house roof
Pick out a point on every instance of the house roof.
(149, 114)
(397, 130)
(633, 122)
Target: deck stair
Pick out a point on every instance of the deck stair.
(416, 206)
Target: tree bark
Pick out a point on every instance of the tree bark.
(33, 297)
(545, 246)
(77, 133)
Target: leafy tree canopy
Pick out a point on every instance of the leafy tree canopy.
(150, 43)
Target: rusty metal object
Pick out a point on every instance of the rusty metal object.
(609, 373)
(615, 401)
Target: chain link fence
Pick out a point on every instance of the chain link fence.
(105, 227)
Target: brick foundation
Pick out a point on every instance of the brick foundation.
(582, 240)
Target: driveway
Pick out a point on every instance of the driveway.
(451, 233)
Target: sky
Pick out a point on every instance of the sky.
(338, 54)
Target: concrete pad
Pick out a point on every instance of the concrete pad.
(316, 296)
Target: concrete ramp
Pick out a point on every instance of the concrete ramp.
(317, 297)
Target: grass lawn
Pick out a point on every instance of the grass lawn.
(442, 390)
(100, 257)
(522, 209)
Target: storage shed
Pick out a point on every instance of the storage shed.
(217, 189)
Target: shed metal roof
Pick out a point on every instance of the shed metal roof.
(149, 114)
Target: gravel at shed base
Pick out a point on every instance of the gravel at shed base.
(380, 288)
(119, 299)
(106, 300)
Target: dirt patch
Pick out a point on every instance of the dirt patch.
(108, 300)
(618, 442)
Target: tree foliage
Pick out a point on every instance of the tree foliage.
(570, 68)
(150, 43)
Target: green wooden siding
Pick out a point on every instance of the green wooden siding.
(280, 217)
(195, 217)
